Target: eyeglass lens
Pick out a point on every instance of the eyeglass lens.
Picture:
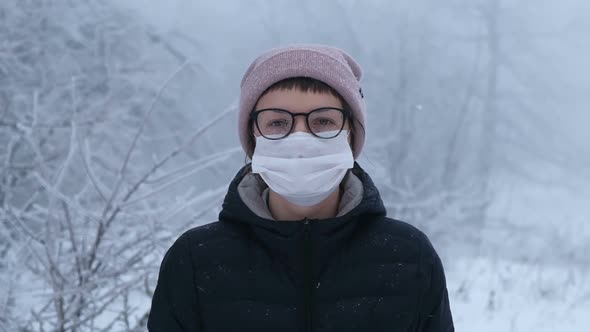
(325, 123)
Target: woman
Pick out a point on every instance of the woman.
(302, 242)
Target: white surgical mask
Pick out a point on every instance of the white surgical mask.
(302, 168)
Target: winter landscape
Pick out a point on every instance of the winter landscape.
(118, 133)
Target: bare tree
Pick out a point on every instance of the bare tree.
(85, 210)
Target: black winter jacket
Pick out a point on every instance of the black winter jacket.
(358, 272)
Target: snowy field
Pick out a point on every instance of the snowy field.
(500, 295)
(533, 280)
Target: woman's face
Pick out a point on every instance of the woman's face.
(297, 101)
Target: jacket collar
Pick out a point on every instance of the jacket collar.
(254, 193)
(235, 209)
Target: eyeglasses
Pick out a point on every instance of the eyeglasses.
(276, 123)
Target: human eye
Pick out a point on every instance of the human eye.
(278, 123)
(325, 121)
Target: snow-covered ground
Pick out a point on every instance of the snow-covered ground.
(489, 294)
(531, 277)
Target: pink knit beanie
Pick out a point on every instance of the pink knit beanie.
(330, 65)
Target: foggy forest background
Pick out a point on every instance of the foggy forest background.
(118, 133)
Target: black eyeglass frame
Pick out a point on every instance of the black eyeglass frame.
(345, 117)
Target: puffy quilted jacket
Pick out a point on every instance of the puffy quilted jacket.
(361, 271)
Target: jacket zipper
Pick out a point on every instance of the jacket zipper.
(307, 270)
